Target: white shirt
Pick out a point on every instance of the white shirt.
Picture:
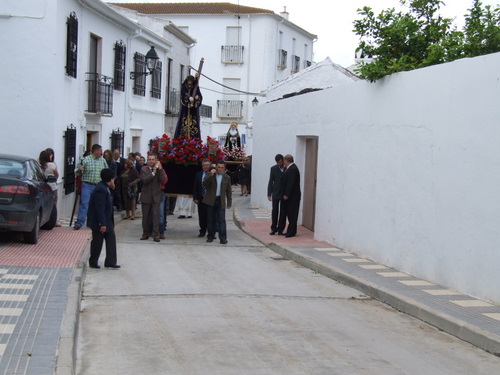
(219, 183)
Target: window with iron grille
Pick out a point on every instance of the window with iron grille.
(118, 140)
(282, 54)
(205, 111)
(140, 79)
(156, 81)
(72, 45)
(120, 57)
(295, 63)
(69, 160)
(232, 54)
(173, 102)
(100, 94)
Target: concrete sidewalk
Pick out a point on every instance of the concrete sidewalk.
(468, 318)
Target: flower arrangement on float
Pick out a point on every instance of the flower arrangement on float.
(236, 153)
(184, 150)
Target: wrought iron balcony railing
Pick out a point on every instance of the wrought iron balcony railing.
(232, 54)
(282, 54)
(295, 64)
(229, 108)
(100, 94)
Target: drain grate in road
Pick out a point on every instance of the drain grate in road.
(278, 258)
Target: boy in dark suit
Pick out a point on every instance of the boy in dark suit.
(100, 219)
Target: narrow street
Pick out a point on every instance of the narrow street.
(185, 306)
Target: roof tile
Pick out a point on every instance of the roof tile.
(191, 8)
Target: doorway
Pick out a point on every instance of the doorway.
(310, 178)
(92, 139)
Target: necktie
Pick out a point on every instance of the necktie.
(203, 188)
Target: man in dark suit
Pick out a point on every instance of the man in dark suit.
(217, 198)
(199, 192)
(274, 195)
(100, 219)
(120, 166)
(151, 177)
(291, 194)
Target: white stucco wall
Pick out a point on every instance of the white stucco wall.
(407, 170)
(38, 101)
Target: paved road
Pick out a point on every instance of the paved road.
(188, 307)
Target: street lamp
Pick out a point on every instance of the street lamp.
(255, 102)
(152, 60)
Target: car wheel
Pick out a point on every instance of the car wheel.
(32, 237)
(52, 220)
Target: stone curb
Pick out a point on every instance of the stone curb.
(476, 336)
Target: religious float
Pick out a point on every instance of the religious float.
(181, 156)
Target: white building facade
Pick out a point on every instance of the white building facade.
(403, 171)
(66, 83)
(245, 50)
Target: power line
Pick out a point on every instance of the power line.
(227, 87)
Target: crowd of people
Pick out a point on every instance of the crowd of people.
(110, 182)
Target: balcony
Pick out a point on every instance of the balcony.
(100, 94)
(282, 58)
(232, 54)
(229, 108)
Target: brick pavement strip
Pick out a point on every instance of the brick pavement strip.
(37, 290)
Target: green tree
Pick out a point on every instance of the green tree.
(420, 37)
(482, 30)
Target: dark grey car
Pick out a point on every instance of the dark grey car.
(26, 199)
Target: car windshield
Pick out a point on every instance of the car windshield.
(12, 168)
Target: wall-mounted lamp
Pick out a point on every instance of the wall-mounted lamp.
(255, 102)
(151, 63)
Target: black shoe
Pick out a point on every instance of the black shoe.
(182, 217)
(115, 266)
(272, 233)
(201, 235)
(289, 235)
(76, 227)
(223, 242)
(94, 266)
(210, 240)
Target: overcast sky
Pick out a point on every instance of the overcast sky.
(332, 20)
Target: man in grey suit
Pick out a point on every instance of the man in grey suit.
(151, 177)
(218, 197)
(274, 195)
